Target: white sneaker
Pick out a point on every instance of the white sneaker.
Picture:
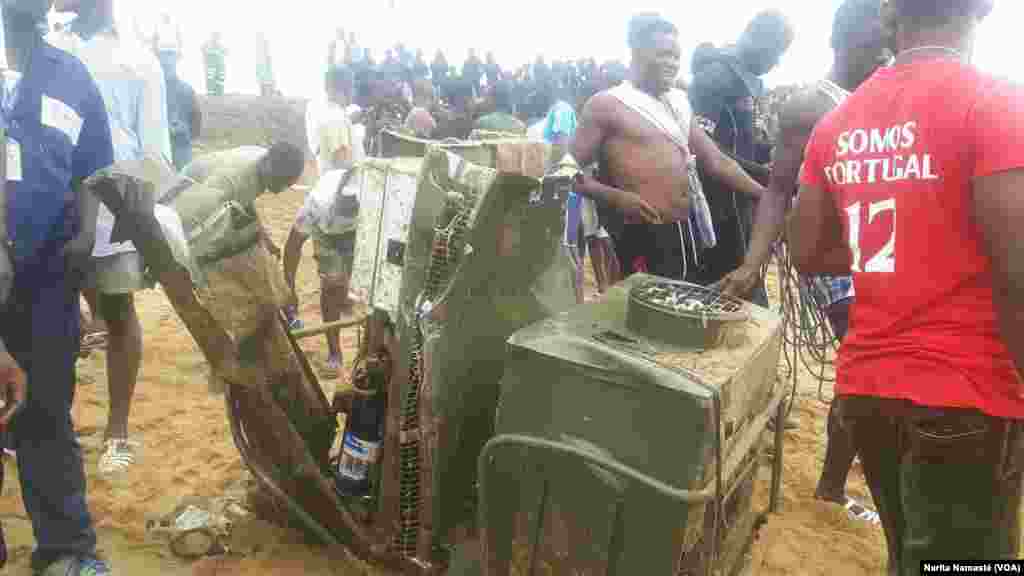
(118, 456)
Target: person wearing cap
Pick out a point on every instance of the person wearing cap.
(913, 186)
(858, 44)
(58, 134)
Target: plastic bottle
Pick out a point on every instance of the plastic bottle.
(360, 447)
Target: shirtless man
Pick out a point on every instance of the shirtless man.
(644, 172)
(858, 45)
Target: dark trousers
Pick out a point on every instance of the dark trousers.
(947, 482)
(664, 250)
(839, 449)
(839, 317)
(40, 328)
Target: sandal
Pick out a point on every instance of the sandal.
(92, 341)
(858, 511)
(118, 456)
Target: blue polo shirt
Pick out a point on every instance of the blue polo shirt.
(58, 135)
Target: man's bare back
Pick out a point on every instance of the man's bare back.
(641, 159)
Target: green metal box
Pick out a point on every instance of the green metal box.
(584, 378)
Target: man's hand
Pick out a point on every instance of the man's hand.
(13, 388)
(78, 255)
(635, 208)
(739, 282)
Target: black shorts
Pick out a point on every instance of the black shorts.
(665, 250)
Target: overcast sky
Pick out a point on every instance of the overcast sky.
(299, 32)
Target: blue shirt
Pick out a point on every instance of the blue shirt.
(561, 121)
(59, 133)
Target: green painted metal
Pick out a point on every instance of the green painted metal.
(495, 548)
(397, 145)
(508, 270)
(583, 379)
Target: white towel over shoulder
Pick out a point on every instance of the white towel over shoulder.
(672, 115)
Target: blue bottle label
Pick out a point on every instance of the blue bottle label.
(356, 457)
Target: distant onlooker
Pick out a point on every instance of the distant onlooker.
(419, 121)
(472, 71)
(439, 70)
(502, 119)
(184, 115)
(214, 54)
(492, 70)
(265, 70)
(420, 70)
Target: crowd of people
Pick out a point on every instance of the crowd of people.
(892, 180)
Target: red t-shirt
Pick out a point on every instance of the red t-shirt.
(898, 156)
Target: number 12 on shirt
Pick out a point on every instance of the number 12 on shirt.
(884, 261)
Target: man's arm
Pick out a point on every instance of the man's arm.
(93, 151)
(815, 235)
(999, 209)
(796, 121)
(998, 204)
(590, 136)
(722, 167)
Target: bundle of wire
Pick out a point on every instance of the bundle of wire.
(807, 337)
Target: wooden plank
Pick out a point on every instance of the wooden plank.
(317, 330)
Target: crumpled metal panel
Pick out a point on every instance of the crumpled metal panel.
(506, 268)
(583, 378)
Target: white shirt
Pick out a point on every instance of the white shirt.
(132, 84)
(358, 134)
(323, 115)
(319, 213)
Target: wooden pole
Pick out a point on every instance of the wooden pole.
(317, 330)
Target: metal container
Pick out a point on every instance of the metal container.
(586, 379)
(682, 314)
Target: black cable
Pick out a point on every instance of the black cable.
(807, 337)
